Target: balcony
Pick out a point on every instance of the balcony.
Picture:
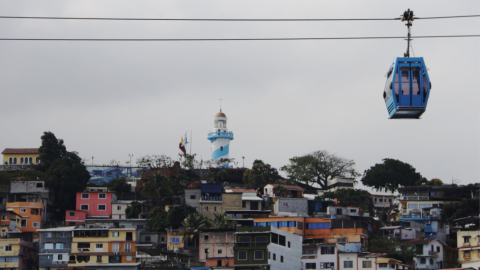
(216, 135)
(309, 257)
(211, 198)
(254, 244)
(433, 253)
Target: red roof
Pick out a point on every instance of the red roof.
(20, 151)
(293, 187)
(194, 185)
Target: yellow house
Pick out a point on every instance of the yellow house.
(102, 247)
(21, 156)
(468, 244)
(15, 253)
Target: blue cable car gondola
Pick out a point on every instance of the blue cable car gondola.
(408, 86)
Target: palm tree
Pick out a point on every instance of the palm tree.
(192, 225)
(158, 188)
(221, 221)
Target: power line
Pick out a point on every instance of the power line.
(223, 39)
(227, 20)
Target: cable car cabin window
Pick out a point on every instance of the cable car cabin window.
(388, 90)
(405, 81)
(415, 81)
(425, 87)
(396, 83)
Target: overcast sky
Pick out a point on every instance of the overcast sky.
(282, 98)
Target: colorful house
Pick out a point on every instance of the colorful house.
(75, 217)
(31, 215)
(54, 247)
(9, 222)
(103, 248)
(21, 156)
(96, 204)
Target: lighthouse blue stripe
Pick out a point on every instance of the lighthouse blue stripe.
(219, 153)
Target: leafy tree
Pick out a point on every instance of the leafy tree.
(393, 248)
(51, 150)
(221, 221)
(66, 177)
(465, 208)
(435, 182)
(154, 161)
(280, 190)
(346, 195)
(158, 220)
(192, 225)
(390, 175)
(133, 210)
(178, 213)
(189, 162)
(158, 188)
(260, 175)
(120, 186)
(319, 167)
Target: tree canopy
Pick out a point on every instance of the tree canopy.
(390, 175)
(120, 186)
(155, 161)
(158, 188)
(319, 167)
(260, 175)
(160, 220)
(393, 248)
(133, 210)
(51, 150)
(465, 208)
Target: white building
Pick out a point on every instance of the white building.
(429, 253)
(287, 254)
(220, 138)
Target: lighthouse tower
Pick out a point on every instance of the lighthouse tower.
(220, 138)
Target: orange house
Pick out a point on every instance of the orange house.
(31, 215)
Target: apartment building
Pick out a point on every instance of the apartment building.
(429, 253)
(96, 204)
(468, 242)
(31, 215)
(54, 247)
(216, 247)
(103, 248)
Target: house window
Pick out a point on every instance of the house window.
(84, 207)
(215, 208)
(148, 239)
(244, 204)
(99, 246)
(176, 240)
(48, 246)
(205, 237)
(129, 258)
(23, 223)
(192, 197)
(339, 211)
(353, 210)
(383, 265)
(102, 195)
(99, 258)
(367, 264)
(47, 235)
(274, 256)
(36, 224)
(423, 261)
(438, 249)
(72, 214)
(219, 262)
(219, 251)
(102, 207)
(128, 247)
(115, 247)
(119, 207)
(23, 210)
(115, 234)
(242, 255)
(300, 225)
(34, 212)
(4, 217)
(288, 243)
(39, 184)
(466, 254)
(8, 248)
(326, 265)
(60, 257)
(37, 160)
(327, 250)
(258, 255)
(85, 196)
(466, 239)
(206, 208)
(310, 266)
(281, 259)
(59, 245)
(347, 264)
(281, 240)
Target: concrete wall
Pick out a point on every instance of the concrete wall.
(219, 244)
(28, 187)
(292, 256)
(343, 257)
(195, 200)
(317, 257)
(292, 205)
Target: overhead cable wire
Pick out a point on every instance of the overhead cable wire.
(226, 20)
(223, 39)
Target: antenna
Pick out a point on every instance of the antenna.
(220, 104)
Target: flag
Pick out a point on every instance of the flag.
(181, 146)
(185, 142)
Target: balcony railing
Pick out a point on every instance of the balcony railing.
(211, 198)
(253, 244)
(309, 257)
(430, 252)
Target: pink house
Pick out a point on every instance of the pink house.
(75, 217)
(96, 204)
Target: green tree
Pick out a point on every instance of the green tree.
(158, 188)
(435, 182)
(393, 248)
(120, 186)
(158, 220)
(319, 167)
(51, 150)
(178, 213)
(221, 221)
(465, 208)
(188, 161)
(133, 210)
(260, 175)
(192, 225)
(390, 175)
(66, 177)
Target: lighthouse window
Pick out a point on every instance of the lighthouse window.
(221, 148)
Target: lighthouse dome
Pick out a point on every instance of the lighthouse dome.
(220, 114)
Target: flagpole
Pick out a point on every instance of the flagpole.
(191, 136)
